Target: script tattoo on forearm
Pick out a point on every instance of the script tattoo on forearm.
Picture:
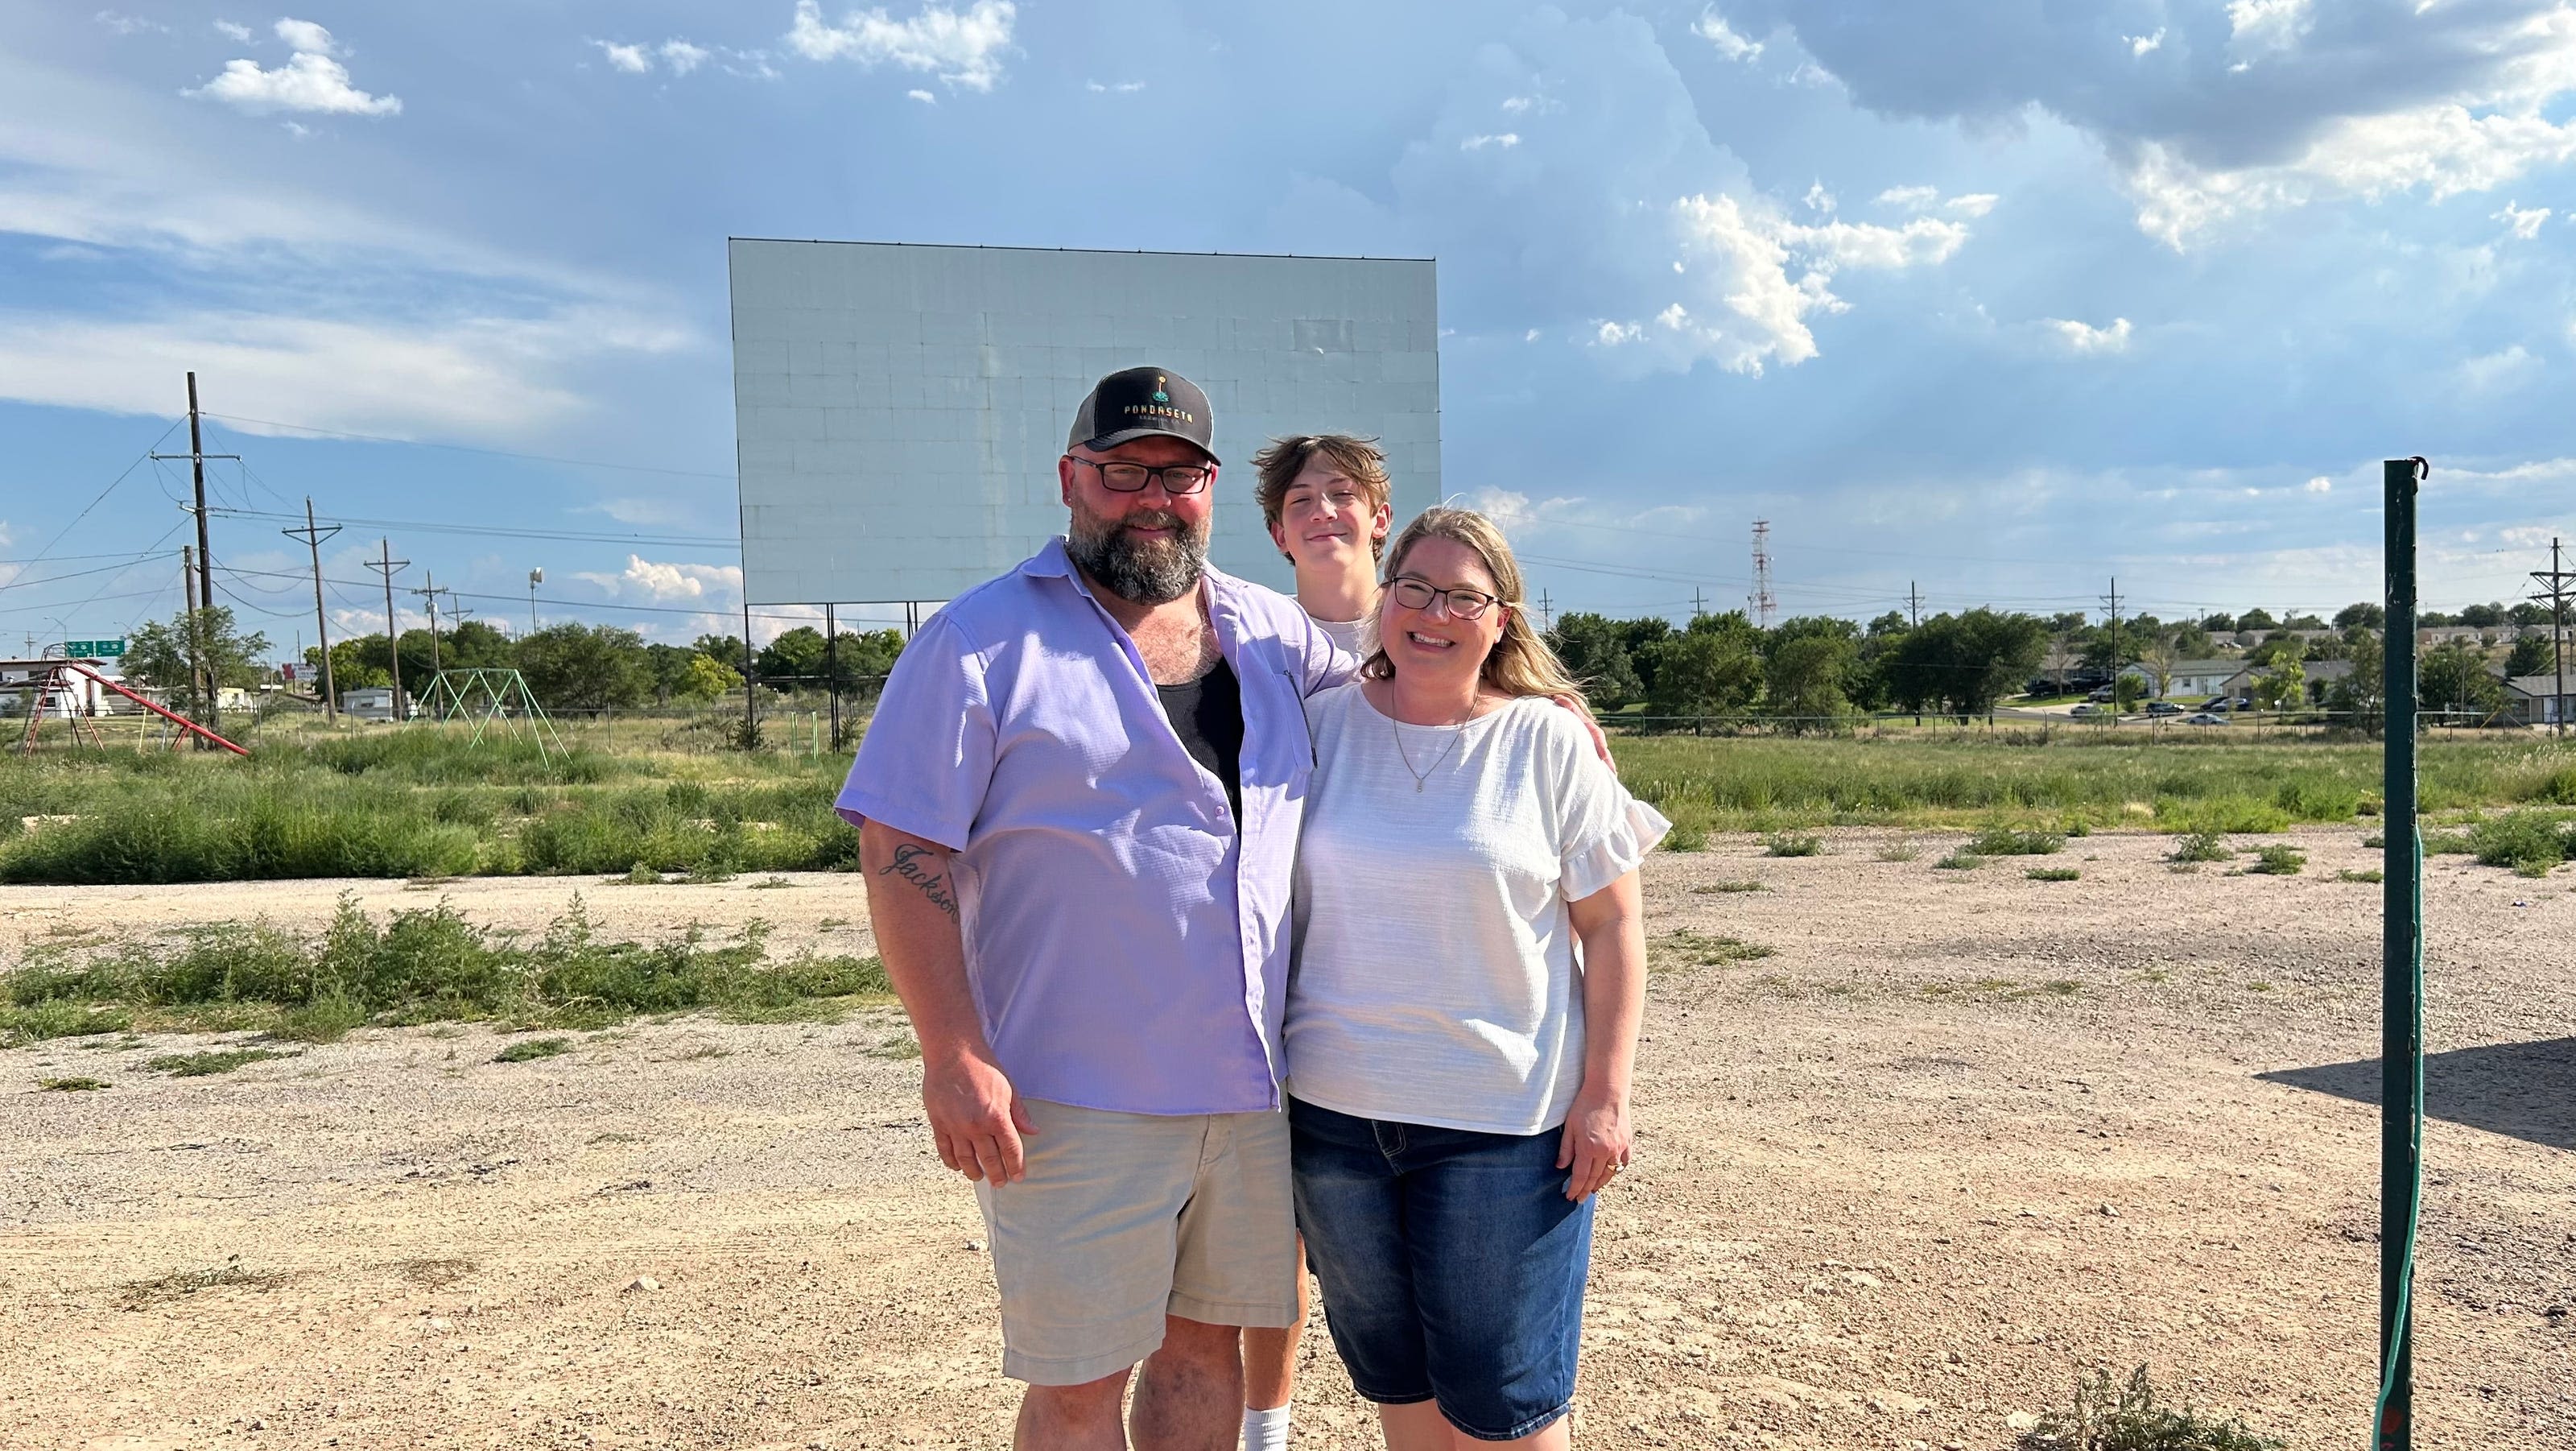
(912, 863)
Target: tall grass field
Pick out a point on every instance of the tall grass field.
(415, 801)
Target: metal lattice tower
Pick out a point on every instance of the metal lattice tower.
(1764, 606)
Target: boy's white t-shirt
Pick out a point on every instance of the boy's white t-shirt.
(1436, 979)
(1345, 633)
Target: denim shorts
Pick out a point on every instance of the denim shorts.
(1451, 1261)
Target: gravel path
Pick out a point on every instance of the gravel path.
(1961, 1134)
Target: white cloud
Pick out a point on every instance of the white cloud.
(1505, 140)
(1712, 27)
(2523, 222)
(2084, 338)
(632, 59)
(124, 24)
(2319, 485)
(1818, 199)
(1531, 336)
(670, 583)
(305, 36)
(2498, 371)
(962, 49)
(309, 81)
(1612, 334)
(2143, 44)
(924, 97)
(233, 30)
(2267, 25)
(1123, 88)
(1972, 204)
(1516, 104)
(682, 57)
(479, 376)
(1911, 198)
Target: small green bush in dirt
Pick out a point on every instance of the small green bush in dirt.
(1903, 851)
(2449, 843)
(529, 1050)
(52, 1018)
(2108, 1416)
(1718, 887)
(2530, 842)
(2000, 842)
(1793, 843)
(1686, 836)
(2280, 859)
(2202, 846)
(206, 1065)
(2054, 874)
(1685, 948)
(2376, 841)
(1959, 861)
(641, 875)
(2370, 875)
(70, 1085)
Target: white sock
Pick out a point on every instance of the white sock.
(1266, 1430)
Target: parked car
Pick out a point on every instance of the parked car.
(2163, 707)
(2082, 710)
(2206, 717)
(2100, 693)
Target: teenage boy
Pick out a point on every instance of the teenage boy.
(1325, 498)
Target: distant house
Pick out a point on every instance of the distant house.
(2201, 677)
(2320, 675)
(372, 702)
(2533, 700)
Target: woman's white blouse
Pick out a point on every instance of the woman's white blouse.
(1436, 978)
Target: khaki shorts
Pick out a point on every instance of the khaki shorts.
(1125, 1218)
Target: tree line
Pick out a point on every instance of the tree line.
(569, 667)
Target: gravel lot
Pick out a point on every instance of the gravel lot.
(1961, 1134)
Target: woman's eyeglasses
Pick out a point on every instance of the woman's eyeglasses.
(1458, 604)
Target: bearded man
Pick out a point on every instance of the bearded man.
(1078, 806)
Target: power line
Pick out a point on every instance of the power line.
(585, 463)
(495, 531)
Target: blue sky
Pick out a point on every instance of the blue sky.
(1997, 297)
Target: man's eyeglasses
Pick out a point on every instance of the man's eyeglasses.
(1176, 479)
(1459, 604)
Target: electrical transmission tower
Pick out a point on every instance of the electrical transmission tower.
(1765, 608)
(2556, 594)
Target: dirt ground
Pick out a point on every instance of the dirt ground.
(1962, 1134)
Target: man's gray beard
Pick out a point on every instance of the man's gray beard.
(1138, 572)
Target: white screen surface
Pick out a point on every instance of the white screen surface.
(899, 409)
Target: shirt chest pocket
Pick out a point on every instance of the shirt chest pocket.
(1277, 752)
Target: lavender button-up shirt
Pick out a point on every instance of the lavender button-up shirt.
(1126, 942)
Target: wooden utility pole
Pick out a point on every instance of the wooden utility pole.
(387, 567)
(204, 598)
(313, 537)
(429, 590)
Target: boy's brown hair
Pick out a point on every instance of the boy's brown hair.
(1283, 459)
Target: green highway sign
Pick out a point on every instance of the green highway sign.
(93, 649)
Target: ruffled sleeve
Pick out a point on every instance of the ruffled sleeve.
(1605, 831)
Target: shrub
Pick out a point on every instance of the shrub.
(1789, 843)
(1685, 948)
(2202, 846)
(2000, 842)
(528, 1050)
(1960, 861)
(2348, 875)
(2530, 842)
(2278, 860)
(2053, 874)
(1742, 886)
(203, 1065)
(1686, 836)
(2107, 1416)
(70, 1085)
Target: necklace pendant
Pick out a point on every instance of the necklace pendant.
(1417, 788)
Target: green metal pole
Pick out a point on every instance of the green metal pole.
(2401, 1042)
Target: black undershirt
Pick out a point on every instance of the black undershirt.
(1207, 714)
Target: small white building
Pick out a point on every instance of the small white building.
(368, 702)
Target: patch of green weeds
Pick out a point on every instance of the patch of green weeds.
(1793, 843)
(1685, 948)
(208, 1064)
(70, 1085)
(901, 1046)
(178, 1284)
(2371, 875)
(58, 1018)
(2280, 859)
(1959, 861)
(1903, 851)
(1714, 888)
(830, 923)
(2531, 842)
(1686, 836)
(771, 884)
(529, 1050)
(2107, 1416)
(2202, 846)
(642, 875)
(2054, 874)
(2002, 842)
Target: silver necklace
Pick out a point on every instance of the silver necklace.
(1456, 733)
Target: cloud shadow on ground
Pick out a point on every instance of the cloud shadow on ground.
(2523, 1090)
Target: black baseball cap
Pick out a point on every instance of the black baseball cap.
(1141, 403)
